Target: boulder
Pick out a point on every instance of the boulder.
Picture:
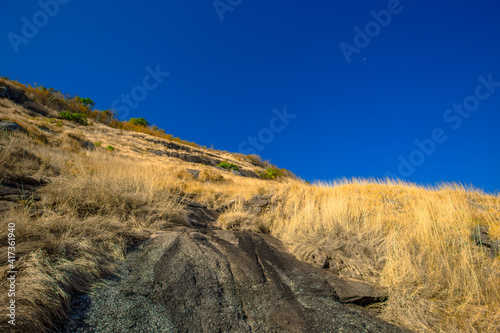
(194, 172)
(10, 126)
(480, 235)
(86, 144)
(358, 292)
(258, 204)
(249, 173)
(158, 152)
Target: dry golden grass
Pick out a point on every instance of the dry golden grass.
(412, 240)
(91, 212)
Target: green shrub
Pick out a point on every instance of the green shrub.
(226, 165)
(110, 148)
(139, 121)
(97, 144)
(272, 173)
(75, 117)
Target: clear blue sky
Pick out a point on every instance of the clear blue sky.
(357, 119)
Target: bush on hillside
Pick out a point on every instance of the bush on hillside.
(139, 121)
(271, 173)
(75, 117)
(228, 166)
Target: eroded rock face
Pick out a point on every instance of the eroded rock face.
(223, 281)
(194, 155)
(196, 278)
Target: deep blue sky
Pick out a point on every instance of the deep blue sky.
(352, 119)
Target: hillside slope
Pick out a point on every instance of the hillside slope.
(81, 196)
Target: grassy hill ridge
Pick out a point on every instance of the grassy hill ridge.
(87, 193)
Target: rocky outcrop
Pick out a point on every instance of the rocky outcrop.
(193, 155)
(258, 204)
(10, 126)
(480, 236)
(16, 95)
(17, 191)
(86, 144)
(196, 278)
(358, 292)
(193, 172)
(202, 159)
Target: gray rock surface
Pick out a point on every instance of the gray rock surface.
(358, 292)
(194, 155)
(86, 144)
(10, 126)
(258, 204)
(4, 92)
(249, 173)
(196, 278)
(236, 172)
(194, 172)
(480, 235)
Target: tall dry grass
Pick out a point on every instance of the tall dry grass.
(93, 207)
(414, 241)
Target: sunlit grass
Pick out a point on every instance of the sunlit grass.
(412, 240)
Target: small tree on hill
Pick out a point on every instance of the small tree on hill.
(139, 121)
(86, 102)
